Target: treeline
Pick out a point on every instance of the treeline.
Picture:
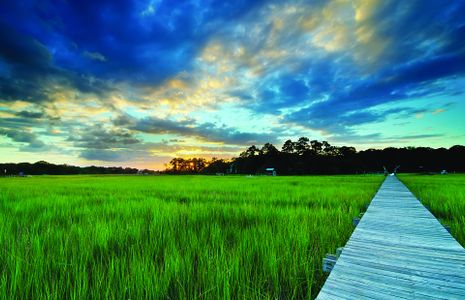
(43, 167)
(197, 165)
(295, 158)
(314, 157)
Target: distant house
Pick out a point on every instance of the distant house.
(270, 171)
(444, 172)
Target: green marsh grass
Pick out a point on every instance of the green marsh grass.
(172, 237)
(445, 197)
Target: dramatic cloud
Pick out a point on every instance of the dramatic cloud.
(100, 138)
(27, 72)
(28, 140)
(138, 82)
(189, 127)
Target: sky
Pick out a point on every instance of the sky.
(136, 83)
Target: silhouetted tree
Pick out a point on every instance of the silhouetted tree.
(347, 151)
(327, 159)
(302, 146)
(250, 152)
(288, 147)
(314, 158)
(43, 167)
(216, 166)
(269, 149)
(316, 146)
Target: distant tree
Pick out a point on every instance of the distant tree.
(198, 164)
(288, 147)
(302, 146)
(457, 149)
(326, 147)
(324, 159)
(43, 167)
(328, 159)
(216, 166)
(250, 152)
(269, 149)
(176, 164)
(330, 150)
(173, 164)
(347, 151)
(316, 146)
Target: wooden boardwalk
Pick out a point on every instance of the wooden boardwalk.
(399, 250)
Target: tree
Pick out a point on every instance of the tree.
(316, 146)
(216, 166)
(302, 145)
(327, 148)
(176, 164)
(347, 151)
(198, 164)
(250, 152)
(269, 149)
(288, 147)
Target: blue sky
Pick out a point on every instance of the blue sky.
(135, 83)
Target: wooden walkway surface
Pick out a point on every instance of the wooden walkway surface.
(399, 250)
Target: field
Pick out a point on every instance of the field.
(445, 197)
(121, 237)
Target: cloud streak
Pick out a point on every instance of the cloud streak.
(189, 127)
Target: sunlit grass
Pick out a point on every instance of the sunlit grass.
(120, 237)
(445, 197)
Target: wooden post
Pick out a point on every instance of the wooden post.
(328, 262)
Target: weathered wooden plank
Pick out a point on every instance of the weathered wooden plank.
(428, 278)
(398, 250)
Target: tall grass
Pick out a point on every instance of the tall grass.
(170, 237)
(445, 197)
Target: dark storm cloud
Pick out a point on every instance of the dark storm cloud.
(29, 140)
(30, 114)
(189, 127)
(20, 122)
(151, 41)
(24, 59)
(22, 50)
(25, 119)
(99, 138)
(27, 71)
(106, 144)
